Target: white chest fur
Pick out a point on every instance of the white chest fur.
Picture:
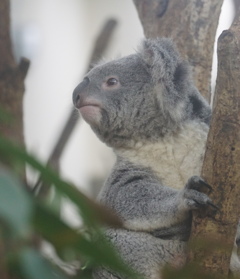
(174, 159)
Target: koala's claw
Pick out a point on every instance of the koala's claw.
(193, 196)
(213, 205)
(201, 181)
(197, 183)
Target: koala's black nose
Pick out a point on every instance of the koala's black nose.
(78, 90)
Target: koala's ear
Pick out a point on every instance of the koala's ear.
(181, 75)
(160, 56)
(147, 52)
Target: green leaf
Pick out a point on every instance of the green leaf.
(5, 116)
(34, 266)
(84, 204)
(54, 229)
(56, 201)
(15, 204)
(65, 238)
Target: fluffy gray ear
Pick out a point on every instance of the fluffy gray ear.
(170, 76)
(161, 57)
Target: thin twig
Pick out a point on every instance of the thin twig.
(101, 45)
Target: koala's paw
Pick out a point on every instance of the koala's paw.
(193, 198)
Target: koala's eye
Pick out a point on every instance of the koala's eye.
(112, 82)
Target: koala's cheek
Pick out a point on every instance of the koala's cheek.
(91, 114)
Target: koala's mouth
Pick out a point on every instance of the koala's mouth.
(90, 111)
(85, 108)
(88, 105)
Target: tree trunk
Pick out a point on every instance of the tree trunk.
(192, 25)
(11, 99)
(11, 82)
(221, 167)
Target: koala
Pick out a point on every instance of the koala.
(146, 108)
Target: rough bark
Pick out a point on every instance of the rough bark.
(222, 161)
(11, 81)
(191, 24)
(11, 99)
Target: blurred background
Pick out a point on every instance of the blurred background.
(58, 37)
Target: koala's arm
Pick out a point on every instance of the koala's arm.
(144, 204)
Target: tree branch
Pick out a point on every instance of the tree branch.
(191, 24)
(11, 102)
(101, 45)
(11, 81)
(7, 60)
(222, 161)
(237, 7)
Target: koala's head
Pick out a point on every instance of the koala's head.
(143, 96)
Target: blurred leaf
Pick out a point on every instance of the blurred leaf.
(56, 201)
(64, 238)
(15, 205)
(90, 211)
(5, 116)
(34, 266)
(54, 230)
(51, 227)
(85, 273)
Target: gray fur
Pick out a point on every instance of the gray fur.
(156, 121)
